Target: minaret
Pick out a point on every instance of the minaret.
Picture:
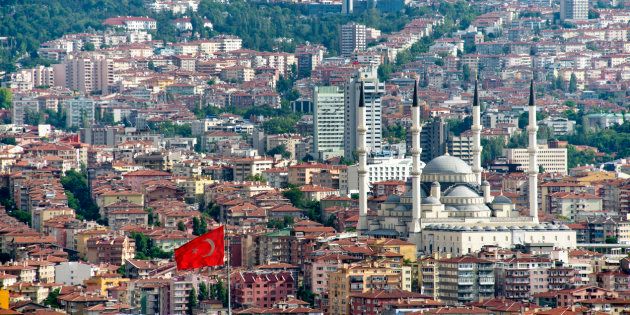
(532, 130)
(476, 132)
(362, 170)
(415, 156)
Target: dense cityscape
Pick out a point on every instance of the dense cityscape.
(397, 157)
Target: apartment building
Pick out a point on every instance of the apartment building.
(86, 73)
(573, 205)
(465, 279)
(261, 289)
(361, 278)
(461, 147)
(110, 249)
(79, 112)
(520, 278)
(245, 168)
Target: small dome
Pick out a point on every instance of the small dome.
(502, 200)
(435, 184)
(564, 227)
(462, 191)
(430, 201)
(447, 164)
(485, 183)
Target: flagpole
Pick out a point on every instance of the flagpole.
(229, 287)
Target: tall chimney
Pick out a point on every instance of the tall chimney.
(476, 131)
(362, 170)
(532, 130)
(415, 156)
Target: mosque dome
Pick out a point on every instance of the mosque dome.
(430, 201)
(462, 192)
(447, 164)
(448, 169)
(501, 200)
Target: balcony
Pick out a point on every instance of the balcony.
(486, 281)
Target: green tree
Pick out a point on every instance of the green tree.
(458, 126)
(492, 149)
(10, 141)
(573, 83)
(280, 149)
(76, 183)
(306, 295)
(192, 301)
(204, 292)
(199, 226)
(52, 299)
(6, 98)
(466, 72)
(89, 47)
(181, 226)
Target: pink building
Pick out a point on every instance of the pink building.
(261, 289)
(519, 278)
(318, 271)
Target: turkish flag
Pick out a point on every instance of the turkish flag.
(205, 250)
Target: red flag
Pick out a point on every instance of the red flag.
(205, 250)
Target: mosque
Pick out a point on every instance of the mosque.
(449, 209)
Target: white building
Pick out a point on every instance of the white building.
(329, 105)
(461, 147)
(573, 10)
(74, 272)
(552, 160)
(132, 23)
(378, 170)
(373, 92)
(353, 38)
(21, 106)
(79, 112)
(560, 126)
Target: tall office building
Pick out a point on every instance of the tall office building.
(433, 138)
(353, 38)
(328, 124)
(347, 6)
(573, 10)
(373, 122)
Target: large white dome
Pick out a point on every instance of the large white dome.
(447, 164)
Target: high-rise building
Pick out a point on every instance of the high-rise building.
(433, 138)
(353, 38)
(347, 6)
(373, 91)
(328, 121)
(461, 147)
(85, 73)
(573, 10)
(308, 57)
